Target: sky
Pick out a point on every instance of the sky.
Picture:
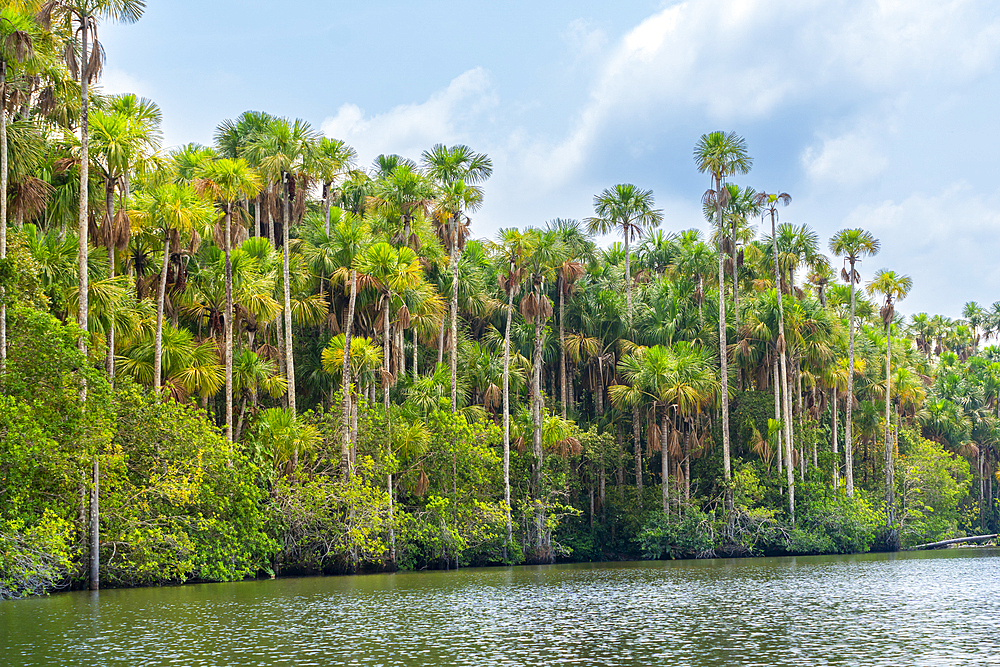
(879, 114)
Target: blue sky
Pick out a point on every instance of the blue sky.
(880, 114)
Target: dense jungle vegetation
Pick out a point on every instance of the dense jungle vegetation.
(262, 357)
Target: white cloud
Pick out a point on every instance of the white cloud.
(946, 241)
(447, 116)
(116, 81)
(851, 159)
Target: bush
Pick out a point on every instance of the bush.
(666, 536)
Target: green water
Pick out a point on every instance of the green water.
(928, 608)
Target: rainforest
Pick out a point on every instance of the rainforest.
(263, 357)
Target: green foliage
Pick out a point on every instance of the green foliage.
(933, 482)
(35, 559)
(667, 536)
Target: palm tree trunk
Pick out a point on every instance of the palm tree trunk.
(536, 436)
(637, 453)
(229, 324)
(160, 296)
(849, 401)
(441, 342)
(506, 410)
(385, 405)
(109, 203)
(289, 360)
(628, 281)
(562, 346)
(723, 361)
(892, 541)
(836, 452)
(777, 414)
(665, 459)
(787, 403)
(454, 321)
(416, 349)
(736, 306)
(82, 306)
(345, 442)
(3, 209)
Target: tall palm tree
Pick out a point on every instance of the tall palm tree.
(722, 155)
(390, 271)
(18, 32)
(171, 209)
(852, 245)
(513, 248)
(892, 287)
(769, 203)
(125, 137)
(401, 194)
(458, 171)
(229, 181)
(282, 151)
(629, 210)
(85, 68)
(233, 139)
(329, 160)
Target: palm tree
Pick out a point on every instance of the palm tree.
(125, 135)
(722, 155)
(513, 248)
(546, 253)
(769, 206)
(458, 171)
(171, 209)
(18, 32)
(892, 287)
(281, 151)
(229, 181)
(329, 160)
(852, 244)
(629, 210)
(233, 140)
(402, 193)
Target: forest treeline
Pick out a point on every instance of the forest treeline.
(262, 357)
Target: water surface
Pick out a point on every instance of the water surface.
(926, 608)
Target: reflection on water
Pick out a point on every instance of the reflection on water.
(939, 608)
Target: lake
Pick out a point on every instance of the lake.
(917, 608)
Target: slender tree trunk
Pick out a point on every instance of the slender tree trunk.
(785, 391)
(506, 410)
(160, 297)
(416, 349)
(562, 346)
(289, 360)
(836, 452)
(454, 319)
(3, 210)
(599, 389)
(665, 459)
(890, 492)
(109, 204)
(229, 324)
(628, 281)
(780, 454)
(736, 306)
(345, 443)
(441, 342)
(82, 305)
(849, 401)
(637, 453)
(536, 437)
(723, 360)
(385, 406)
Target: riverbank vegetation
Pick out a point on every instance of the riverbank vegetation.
(264, 357)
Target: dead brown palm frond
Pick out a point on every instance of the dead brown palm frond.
(30, 197)
(422, 482)
(653, 443)
(536, 307)
(968, 449)
(96, 63)
(492, 397)
(795, 457)
(72, 64)
(568, 447)
(519, 444)
(331, 323)
(674, 445)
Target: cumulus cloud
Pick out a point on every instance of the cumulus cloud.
(450, 115)
(947, 241)
(851, 159)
